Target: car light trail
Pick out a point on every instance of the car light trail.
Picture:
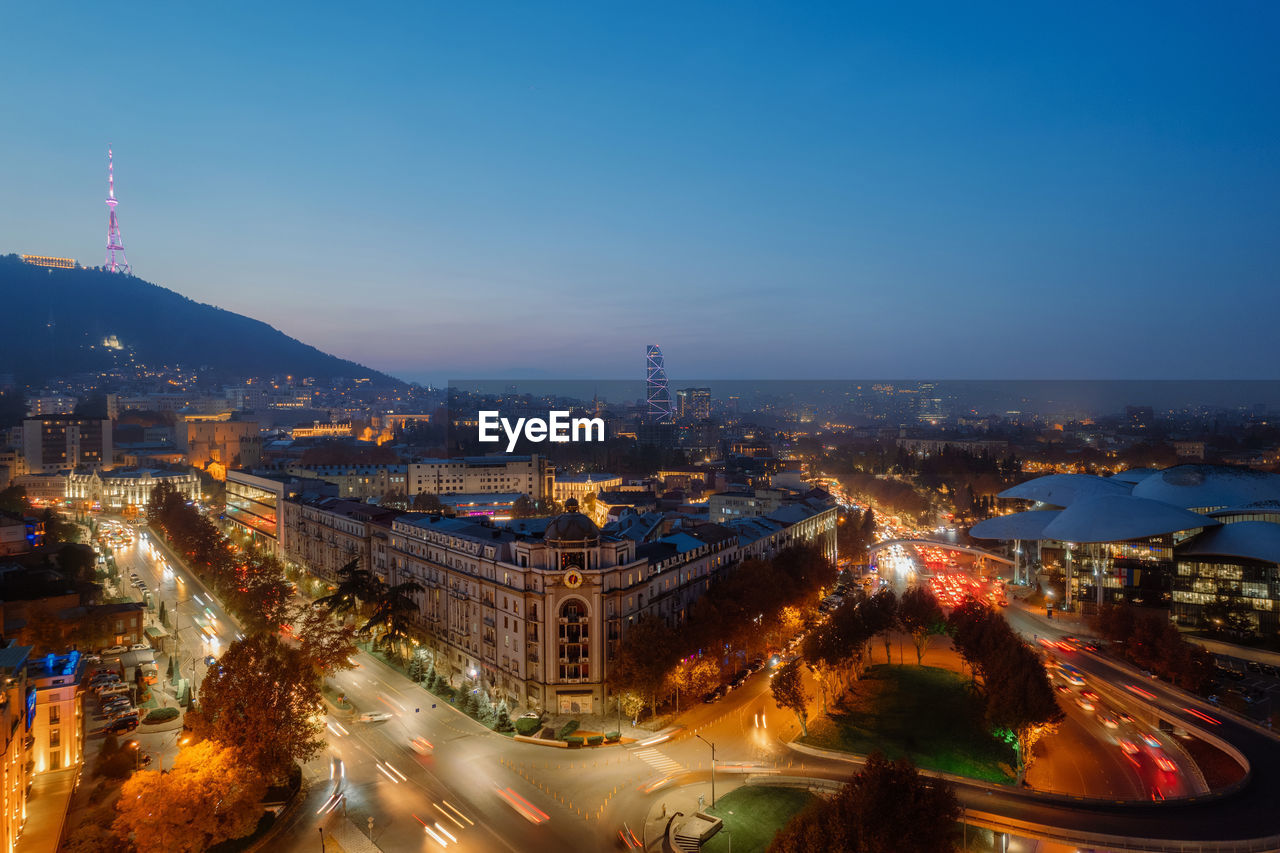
(449, 806)
(1193, 712)
(530, 812)
(386, 772)
(1135, 689)
(438, 808)
(392, 768)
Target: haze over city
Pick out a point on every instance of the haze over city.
(769, 191)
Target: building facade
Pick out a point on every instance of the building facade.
(476, 475)
(536, 621)
(57, 442)
(57, 730)
(125, 488)
(324, 534)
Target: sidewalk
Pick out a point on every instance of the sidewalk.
(687, 800)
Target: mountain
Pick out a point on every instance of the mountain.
(59, 319)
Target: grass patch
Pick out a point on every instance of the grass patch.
(752, 815)
(924, 713)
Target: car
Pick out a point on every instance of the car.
(1165, 764)
(1108, 721)
(1062, 688)
(139, 647)
(120, 726)
(113, 690)
(1090, 695)
(1126, 718)
(714, 695)
(1151, 741)
(421, 745)
(104, 670)
(373, 717)
(741, 676)
(1254, 667)
(118, 709)
(112, 651)
(1128, 747)
(1270, 670)
(1084, 703)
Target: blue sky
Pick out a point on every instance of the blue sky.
(766, 190)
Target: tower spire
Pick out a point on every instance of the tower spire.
(114, 243)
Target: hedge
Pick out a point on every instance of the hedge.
(161, 715)
(595, 740)
(568, 729)
(612, 737)
(527, 725)
(572, 740)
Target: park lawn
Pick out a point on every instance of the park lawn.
(752, 815)
(925, 713)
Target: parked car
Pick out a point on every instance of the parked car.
(113, 650)
(714, 695)
(114, 690)
(121, 726)
(139, 647)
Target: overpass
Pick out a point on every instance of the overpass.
(948, 546)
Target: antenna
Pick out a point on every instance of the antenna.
(114, 243)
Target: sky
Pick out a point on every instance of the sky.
(909, 190)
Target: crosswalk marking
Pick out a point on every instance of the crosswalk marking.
(658, 761)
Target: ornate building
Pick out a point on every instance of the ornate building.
(537, 619)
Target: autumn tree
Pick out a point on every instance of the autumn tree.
(788, 692)
(888, 807)
(326, 642)
(209, 796)
(262, 699)
(1020, 700)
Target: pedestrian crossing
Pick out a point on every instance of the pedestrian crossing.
(658, 761)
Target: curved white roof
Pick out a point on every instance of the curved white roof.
(1117, 518)
(1252, 540)
(1209, 486)
(1019, 525)
(1134, 475)
(1065, 489)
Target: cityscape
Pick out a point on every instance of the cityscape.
(550, 453)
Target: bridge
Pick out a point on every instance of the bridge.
(947, 546)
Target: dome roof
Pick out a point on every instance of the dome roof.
(1065, 489)
(571, 526)
(1209, 486)
(1118, 518)
(1251, 540)
(1019, 525)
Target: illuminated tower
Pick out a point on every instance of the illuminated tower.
(114, 243)
(659, 393)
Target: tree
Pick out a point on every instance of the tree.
(209, 796)
(630, 704)
(355, 586)
(694, 676)
(788, 691)
(523, 507)
(262, 699)
(392, 606)
(881, 614)
(922, 617)
(326, 642)
(1020, 701)
(888, 807)
(164, 615)
(644, 657)
(502, 719)
(427, 502)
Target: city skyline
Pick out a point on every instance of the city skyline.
(1019, 196)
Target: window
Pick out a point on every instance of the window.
(55, 714)
(55, 738)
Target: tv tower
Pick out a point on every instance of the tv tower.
(114, 243)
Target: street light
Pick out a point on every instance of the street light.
(713, 767)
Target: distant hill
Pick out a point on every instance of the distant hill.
(57, 320)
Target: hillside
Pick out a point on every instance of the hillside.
(59, 318)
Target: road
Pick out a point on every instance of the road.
(491, 793)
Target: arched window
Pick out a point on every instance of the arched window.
(574, 646)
